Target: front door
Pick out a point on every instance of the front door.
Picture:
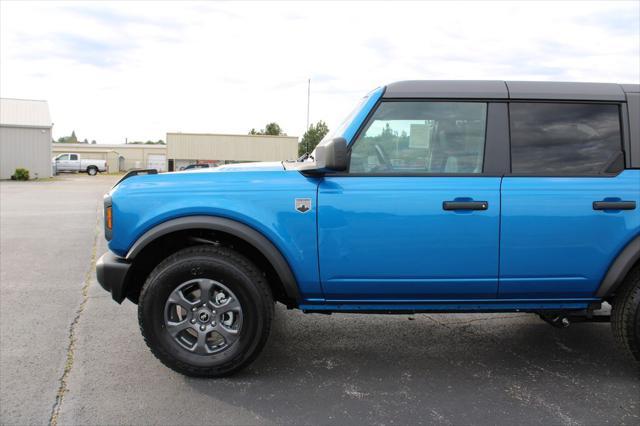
(414, 218)
(63, 163)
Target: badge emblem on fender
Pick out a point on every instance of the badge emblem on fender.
(303, 205)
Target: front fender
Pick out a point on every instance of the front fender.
(263, 201)
(237, 229)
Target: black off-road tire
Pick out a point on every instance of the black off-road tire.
(625, 315)
(237, 273)
(92, 171)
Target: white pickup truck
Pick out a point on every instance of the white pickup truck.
(70, 162)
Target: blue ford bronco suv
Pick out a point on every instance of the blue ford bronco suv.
(432, 196)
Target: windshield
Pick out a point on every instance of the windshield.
(339, 131)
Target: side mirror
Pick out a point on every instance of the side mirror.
(331, 156)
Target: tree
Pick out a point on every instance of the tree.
(272, 129)
(93, 142)
(312, 137)
(85, 140)
(68, 139)
(388, 132)
(148, 142)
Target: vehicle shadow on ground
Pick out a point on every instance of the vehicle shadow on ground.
(448, 369)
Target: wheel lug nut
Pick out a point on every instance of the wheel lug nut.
(194, 309)
(213, 323)
(193, 321)
(202, 328)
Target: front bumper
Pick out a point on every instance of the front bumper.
(112, 273)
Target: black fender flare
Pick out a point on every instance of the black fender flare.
(620, 268)
(232, 227)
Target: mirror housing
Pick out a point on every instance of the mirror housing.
(329, 157)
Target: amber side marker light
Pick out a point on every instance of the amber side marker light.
(109, 218)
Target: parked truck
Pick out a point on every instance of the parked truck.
(72, 162)
(433, 196)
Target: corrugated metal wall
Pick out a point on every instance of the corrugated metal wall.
(191, 146)
(25, 147)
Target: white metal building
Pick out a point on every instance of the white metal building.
(25, 137)
(119, 157)
(190, 148)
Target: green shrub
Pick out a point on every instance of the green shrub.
(21, 174)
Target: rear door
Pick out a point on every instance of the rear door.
(416, 217)
(569, 206)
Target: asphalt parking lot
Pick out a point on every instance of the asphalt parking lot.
(70, 355)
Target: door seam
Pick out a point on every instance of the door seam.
(499, 239)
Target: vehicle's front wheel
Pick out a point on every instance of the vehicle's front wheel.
(625, 315)
(92, 171)
(205, 311)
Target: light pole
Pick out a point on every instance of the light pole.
(308, 105)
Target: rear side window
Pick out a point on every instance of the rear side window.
(564, 139)
(422, 137)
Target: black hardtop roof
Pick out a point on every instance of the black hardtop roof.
(495, 89)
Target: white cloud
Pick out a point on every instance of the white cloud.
(140, 69)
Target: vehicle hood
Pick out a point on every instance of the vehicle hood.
(228, 176)
(242, 167)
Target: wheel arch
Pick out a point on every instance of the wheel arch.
(214, 230)
(626, 260)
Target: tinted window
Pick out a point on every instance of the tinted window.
(422, 137)
(577, 139)
(74, 156)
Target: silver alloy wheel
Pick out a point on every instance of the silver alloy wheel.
(203, 316)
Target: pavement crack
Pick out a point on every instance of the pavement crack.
(71, 347)
(440, 323)
(487, 319)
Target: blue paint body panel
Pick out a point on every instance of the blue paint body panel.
(389, 238)
(553, 244)
(261, 197)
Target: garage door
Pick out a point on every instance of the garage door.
(157, 161)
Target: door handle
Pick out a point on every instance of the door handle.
(465, 205)
(614, 205)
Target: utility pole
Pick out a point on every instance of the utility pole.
(308, 100)
(308, 104)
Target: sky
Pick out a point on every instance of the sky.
(138, 70)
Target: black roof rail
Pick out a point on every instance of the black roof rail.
(136, 172)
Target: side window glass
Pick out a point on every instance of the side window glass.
(63, 157)
(422, 137)
(74, 157)
(564, 139)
